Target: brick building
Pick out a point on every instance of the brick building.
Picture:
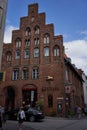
(36, 69)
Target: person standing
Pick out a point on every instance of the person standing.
(21, 117)
(1, 118)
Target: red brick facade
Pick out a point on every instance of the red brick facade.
(35, 68)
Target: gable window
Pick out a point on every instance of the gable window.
(17, 55)
(36, 52)
(37, 30)
(18, 42)
(35, 73)
(25, 73)
(15, 74)
(50, 101)
(27, 42)
(46, 39)
(46, 51)
(28, 31)
(36, 41)
(26, 54)
(56, 51)
(8, 56)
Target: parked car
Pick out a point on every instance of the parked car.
(33, 115)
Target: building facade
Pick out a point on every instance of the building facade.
(35, 68)
(3, 9)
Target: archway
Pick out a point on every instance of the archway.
(9, 98)
(29, 93)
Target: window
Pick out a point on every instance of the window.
(17, 56)
(27, 42)
(36, 41)
(8, 56)
(46, 51)
(37, 30)
(46, 39)
(35, 73)
(36, 52)
(26, 54)
(56, 51)
(1, 11)
(18, 42)
(15, 74)
(25, 73)
(50, 101)
(28, 31)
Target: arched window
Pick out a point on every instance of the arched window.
(27, 43)
(46, 39)
(35, 73)
(18, 42)
(36, 52)
(37, 30)
(25, 73)
(8, 56)
(28, 31)
(36, 41)
(56, 51)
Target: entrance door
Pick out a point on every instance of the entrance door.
(10, 98)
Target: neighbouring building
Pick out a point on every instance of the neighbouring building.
(3, 9)
(85, 88)
(37, 70)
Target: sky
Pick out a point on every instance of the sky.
(69, 18)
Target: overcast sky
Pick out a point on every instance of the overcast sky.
(69, 18)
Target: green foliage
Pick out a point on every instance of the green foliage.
(40, 104)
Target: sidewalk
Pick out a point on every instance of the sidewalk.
(13, 125)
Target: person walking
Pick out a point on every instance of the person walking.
(21, 117)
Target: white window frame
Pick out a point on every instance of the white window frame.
(15, 74)
(26, 54)
(46, 51)
(36, 52)
(35, 73)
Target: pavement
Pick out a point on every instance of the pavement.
(13, 125)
